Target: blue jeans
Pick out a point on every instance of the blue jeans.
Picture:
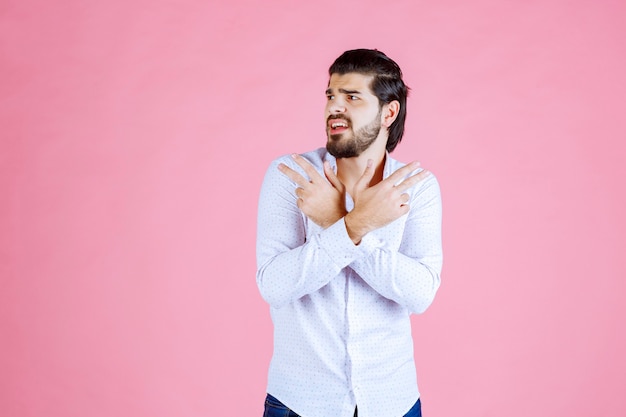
(274, 408)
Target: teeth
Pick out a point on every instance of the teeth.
(336, 125)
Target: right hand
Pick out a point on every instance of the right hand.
(321, 199)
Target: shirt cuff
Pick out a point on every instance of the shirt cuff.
(339, 247)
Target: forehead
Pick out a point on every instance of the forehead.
(351, 81)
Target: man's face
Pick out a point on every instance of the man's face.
(353, 115)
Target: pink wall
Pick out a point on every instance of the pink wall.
(134, 138)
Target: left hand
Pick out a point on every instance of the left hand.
(321, 199)
(379, 205)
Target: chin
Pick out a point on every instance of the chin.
(341, 152)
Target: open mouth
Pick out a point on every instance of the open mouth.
(336, 126)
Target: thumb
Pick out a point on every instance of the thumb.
(332, 177)
(366, 178)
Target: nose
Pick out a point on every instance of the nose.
(336, 106)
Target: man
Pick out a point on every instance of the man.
(348, 246)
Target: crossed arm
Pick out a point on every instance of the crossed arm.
(323, 199)
(292, 264)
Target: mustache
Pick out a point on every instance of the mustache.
(338, 116)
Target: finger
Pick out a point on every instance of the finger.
(293, 175)
(412, 180)
(402, 173)
(307, 167)
(332, 177)
(405, 198)
(367, 176)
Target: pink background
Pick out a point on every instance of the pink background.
(134, 139)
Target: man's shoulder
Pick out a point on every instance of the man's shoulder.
(315, 157)
(428, 183)
(392, 165)
(319, 154)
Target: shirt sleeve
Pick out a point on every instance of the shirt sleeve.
(291, 265)
(410, 274)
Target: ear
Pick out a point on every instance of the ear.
(390, 113)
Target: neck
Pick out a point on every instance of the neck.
(350, 170)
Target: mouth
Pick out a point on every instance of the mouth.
(337, 126)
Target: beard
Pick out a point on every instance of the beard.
(350, 147)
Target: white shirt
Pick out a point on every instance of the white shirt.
(342, 334)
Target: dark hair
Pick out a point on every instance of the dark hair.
(387, 84)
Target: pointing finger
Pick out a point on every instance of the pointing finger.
(332, 177)
(367, 176)
(412, 180)
(307, 167)
(293, 175)
(401, 173)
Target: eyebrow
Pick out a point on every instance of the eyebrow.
(343, 91)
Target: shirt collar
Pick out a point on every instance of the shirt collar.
(387, 169)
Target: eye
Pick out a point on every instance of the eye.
(330, 97)
(353, 98)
